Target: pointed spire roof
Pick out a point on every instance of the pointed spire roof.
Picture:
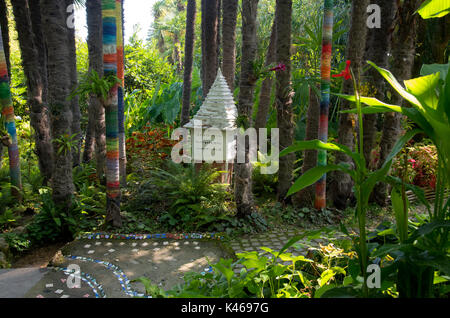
(219, 109)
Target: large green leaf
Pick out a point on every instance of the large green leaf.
(380, 174)
(398, 205)
(424, 88)
(312, 176)
(400, 144)
(434, 9)
(319, 145)
(397, 86)
(428, 69)
(444, 98)
(376, 107)
(371, 101)
(419, 193)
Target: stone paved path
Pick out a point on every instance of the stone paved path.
(108, 266)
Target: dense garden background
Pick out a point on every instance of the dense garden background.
(385, 153)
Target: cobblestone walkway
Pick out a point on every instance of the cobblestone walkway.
(109, 264)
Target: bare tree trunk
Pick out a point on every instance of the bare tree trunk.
(305, 198)
(342, 183)
(96, 109)
(403, 51)
(243, 171)
(229, 21)
(209, 43)
(59, 82)
(39, 117)
(188, 60)
(285, 115)
(266, 86)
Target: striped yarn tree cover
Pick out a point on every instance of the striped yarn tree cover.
(7, 110)
(111, 113)
(120, 92)
(327, 41)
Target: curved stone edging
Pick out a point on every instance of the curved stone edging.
(117, 271)
(89, 280)
(178, 236)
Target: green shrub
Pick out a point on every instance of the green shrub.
(185, 199)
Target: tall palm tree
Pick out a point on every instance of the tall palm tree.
(188, 59)
(96, 109)
(36, 23)
(305, 197)
(378, 48)
(265, 95)
(283, 18)
(403, 51)
(243, 171)
(209, 43)
(39, 116)
(229, 20)
(59, 82)
(74, 102)
(113, 194)
(342, 183)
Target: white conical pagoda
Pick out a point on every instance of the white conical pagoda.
(219, 109)
(218, 113)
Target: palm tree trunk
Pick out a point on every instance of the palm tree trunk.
(305, 198)
(89, 143)
(74, 102)
(285, 115)
(209, 43)
(36, 23)
(342, 183)
(229, 21)
(266, 86)
(5, 34)
(38, 108)
(96, 109)
(403, 51)
(188, 60)
(243, 171)
(378, 47)
(113, 193)
(59, 81)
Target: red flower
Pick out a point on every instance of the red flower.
(345, 73)
(280, 67)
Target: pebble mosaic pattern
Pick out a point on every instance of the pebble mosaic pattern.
(156, 252)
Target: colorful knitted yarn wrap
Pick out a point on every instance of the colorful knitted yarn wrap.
(120, 93)
(111, 109)
(327, 41)
(7, 110)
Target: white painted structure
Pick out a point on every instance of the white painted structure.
(218, 113)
